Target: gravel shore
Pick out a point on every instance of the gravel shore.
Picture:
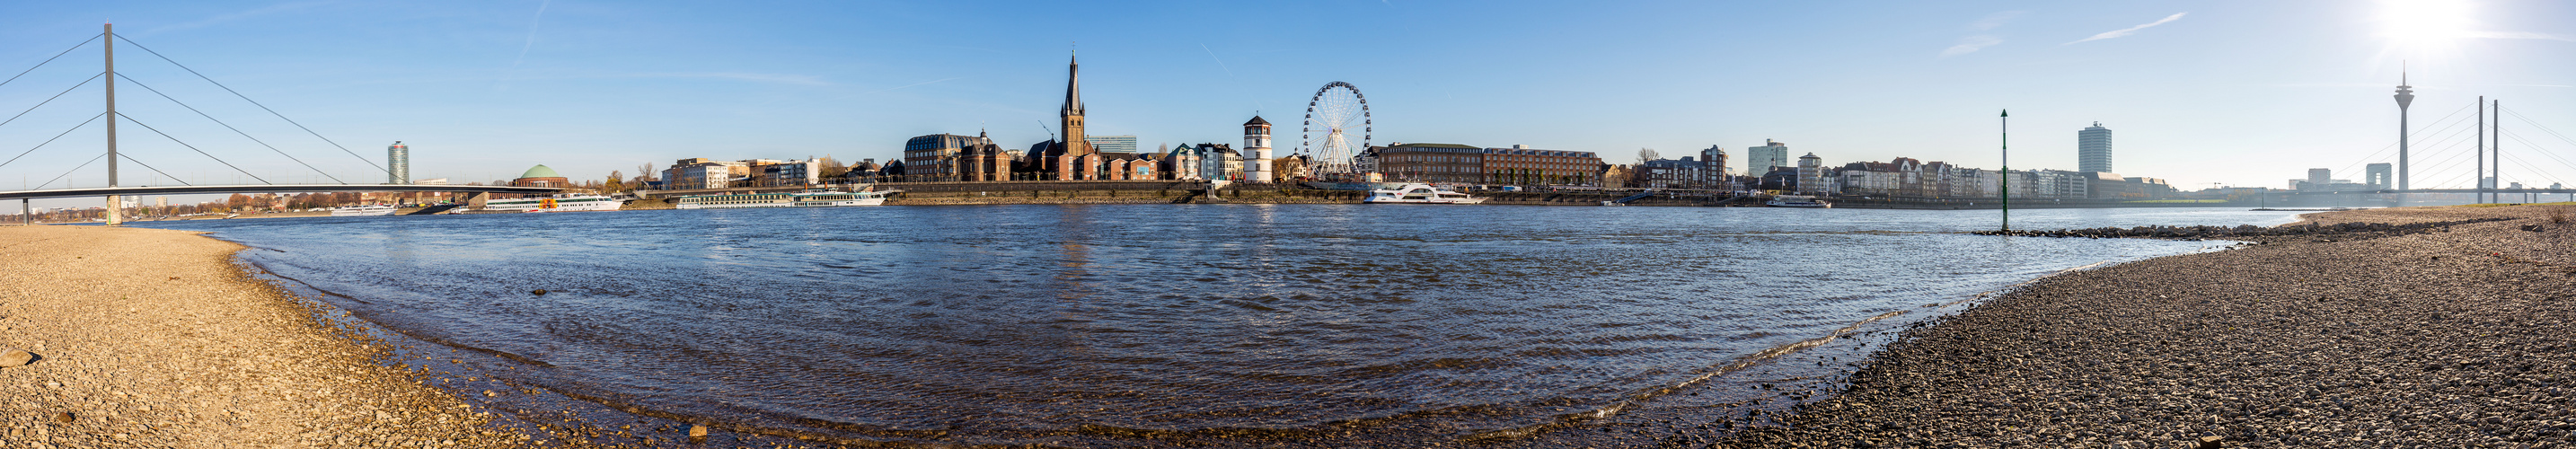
(2463, 337)
(154, 338)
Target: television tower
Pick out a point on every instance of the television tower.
(2405, 97)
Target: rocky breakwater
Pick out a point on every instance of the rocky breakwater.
(129, 337)
(2464, 338)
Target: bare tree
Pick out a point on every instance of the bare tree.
(1645, 155)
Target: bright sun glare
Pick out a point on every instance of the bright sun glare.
(2423, 24)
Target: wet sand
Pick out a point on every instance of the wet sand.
(2464, 337)
(154, 338)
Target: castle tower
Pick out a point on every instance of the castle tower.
(1069, 166)
(1256, 145)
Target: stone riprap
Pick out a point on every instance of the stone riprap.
(2464, 338)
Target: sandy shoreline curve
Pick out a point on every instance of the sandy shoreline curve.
(155, 338)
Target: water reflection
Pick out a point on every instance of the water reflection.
(1018, 324)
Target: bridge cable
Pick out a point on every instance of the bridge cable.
(2542, 128)
(56, 136)
(2537, 172)
(49, 60)
(2535, 124)
(194, 147)
(50, 100)
(343, 149)
(2392, 146)
(2439, 144)
(92, 160)
(2544, 149)
(230, 127)
(2527, 143)
(130, 158)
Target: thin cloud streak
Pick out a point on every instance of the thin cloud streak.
(281, 7)
(2130, 30)
(1996, 20)
(1971, 44)
(2516, 35)
(913, 84)
(804, 80)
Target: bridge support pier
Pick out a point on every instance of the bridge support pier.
(115, 210)
(26, 214)
(475, 201)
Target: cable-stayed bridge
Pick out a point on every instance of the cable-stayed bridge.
(2470, 150)
(110, 118)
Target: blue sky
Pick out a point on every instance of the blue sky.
(2235, 93)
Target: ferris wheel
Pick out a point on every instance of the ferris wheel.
(1336, 110)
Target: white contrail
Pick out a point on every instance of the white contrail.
(532, 33)
(2129, 30)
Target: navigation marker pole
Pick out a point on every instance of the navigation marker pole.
(2007, 187)
(115, 204)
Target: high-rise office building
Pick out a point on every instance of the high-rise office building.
(2093, 149)
(1112, 144)
(1759, 160)
(398, 163)
(2377, 176)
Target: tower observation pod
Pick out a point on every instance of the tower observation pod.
(2405, 97)
(1256, 141)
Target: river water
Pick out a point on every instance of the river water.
(1097, 325)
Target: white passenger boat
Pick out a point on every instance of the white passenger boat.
(1418, 193)
(797, 199)
(557, 203)
(363, 210)
(1798, 201)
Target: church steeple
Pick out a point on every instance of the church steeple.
(1075, 160)
(1073, 88)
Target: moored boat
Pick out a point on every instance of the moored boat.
(1805, 201)
(796, 199)
(363, 210)
(1418, 193)
(557, 203)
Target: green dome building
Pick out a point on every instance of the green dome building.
(540, 176)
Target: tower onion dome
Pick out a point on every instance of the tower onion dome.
(540, 171)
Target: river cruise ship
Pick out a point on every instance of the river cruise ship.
(1418, 193)
(797, 199)
(363, 210)
(557, 203)
(1798, 201)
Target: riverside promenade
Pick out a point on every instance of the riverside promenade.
(155, 338)
(2463, 337)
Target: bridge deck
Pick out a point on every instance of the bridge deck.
(270, 188)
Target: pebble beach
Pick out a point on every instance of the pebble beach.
(2457, 337)
(132, 337)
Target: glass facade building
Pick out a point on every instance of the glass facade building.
(2093, 149)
